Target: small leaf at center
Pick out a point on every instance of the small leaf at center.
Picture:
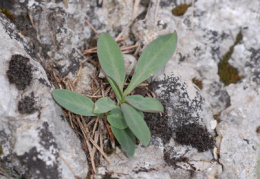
(116, 119)
(104, 105)
(136, 123)
(146, 104)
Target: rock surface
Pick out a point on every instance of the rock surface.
(190, 86)
(204, 40)
(36, 140)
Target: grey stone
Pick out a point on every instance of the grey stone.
(205, 34)
(239, 144)
(35, 138)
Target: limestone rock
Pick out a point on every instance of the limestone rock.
(36, 139)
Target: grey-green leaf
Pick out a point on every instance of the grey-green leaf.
(153, 58)
(115, 88)
(111, 59)
(136, 123)
(116, 119)
(74, 102)
(126, 139)
(146, 104)
(104, 105)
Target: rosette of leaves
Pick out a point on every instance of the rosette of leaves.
(125, 116)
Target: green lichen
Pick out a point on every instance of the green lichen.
(180, 10)
(227, 73)
(7, 13)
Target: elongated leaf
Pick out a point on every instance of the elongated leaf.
(111, 59)
(115, 88)
(104, 105)
(116, 119)
(154, 57)
(74, 102)
(136, 123)
(126, 139)
(144, 104)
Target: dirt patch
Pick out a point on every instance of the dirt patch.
(19, 72)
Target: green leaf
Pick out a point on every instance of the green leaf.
(126, 139)
(74, 102)
(136, 123)
(104, 105)
(111, 59)
(115, 88)
(116, 119)
(144, 104)
(154, 57)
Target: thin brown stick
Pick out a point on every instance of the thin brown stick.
(101, 127)
(148, 9)
(95, 80)
(140, 85)
(94, 50)
(95, 126)
(84, 132)
(90, 123)
(107, 90)
(70, 119)
(91, 96)
(123, 31)
(93, 152)
(135, 9)
(129, 47)
(68, 166)
(31, 19)
(3, 172)
(137, 49)
(90, 25)
(156, 12)
(122, 38)
(79, 70)
(65, 2)
(94, 144)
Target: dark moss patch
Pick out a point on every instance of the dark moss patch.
(180, 10)
(1, 150)
(19, 72)
(198, 83)
(8, 14)
(258, 130)
(194, 135)
(227, 73)
(27, 105)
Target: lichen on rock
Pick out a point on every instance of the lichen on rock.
(27, 104)
(227, 73)
(20, 71)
